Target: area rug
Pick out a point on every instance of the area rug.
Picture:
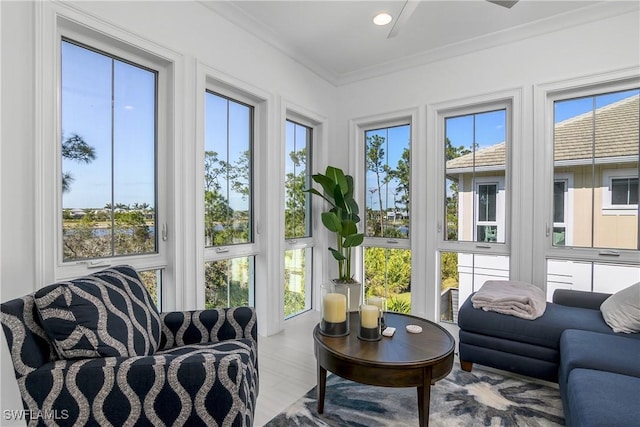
(478, 398)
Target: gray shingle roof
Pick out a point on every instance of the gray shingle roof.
(616, 135)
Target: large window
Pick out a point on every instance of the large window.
(595, 140)
(297, 215)
(228, 208)
(475, 151)
(109, 156)
(474, 226)
(595, 212)
(387, 254)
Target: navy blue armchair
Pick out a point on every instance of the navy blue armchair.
(95, 351)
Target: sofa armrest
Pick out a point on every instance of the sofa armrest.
(207, 326)
(580, 299)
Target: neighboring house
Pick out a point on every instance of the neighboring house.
(603, 157)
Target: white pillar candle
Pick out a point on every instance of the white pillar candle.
(369, 316)
(377, 301)
(335, 308)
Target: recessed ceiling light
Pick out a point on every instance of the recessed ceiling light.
(382, 18)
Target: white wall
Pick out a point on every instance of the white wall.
(187, 28)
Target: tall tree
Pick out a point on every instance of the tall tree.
(375, 158)
(452, 152)
(75, 148)
(402, 175)
(296, 198)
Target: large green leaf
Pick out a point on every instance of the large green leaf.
(348, 227)
(327, 186)
(331, 221)
(353, 207)
(338, 177)
(349, 191)
(338, 197)
(337, 254)
(353, 240)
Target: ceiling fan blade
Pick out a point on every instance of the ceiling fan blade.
(405, 13)
(504, 3)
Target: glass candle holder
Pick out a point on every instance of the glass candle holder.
(335, 314)
(369, 323)
(381, 303)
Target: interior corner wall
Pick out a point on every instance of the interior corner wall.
(187, 28)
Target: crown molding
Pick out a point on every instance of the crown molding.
(599, 11)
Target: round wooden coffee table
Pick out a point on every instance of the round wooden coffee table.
(403, 360)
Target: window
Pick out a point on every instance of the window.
(387, 254)
(101, 198)
(462, 273)
(475, 151)
(297, 212)
(624, 191)
(486, 224)
(559, 214)
(387, 180)
(595, 139)
(620, 191)
(227, 166)
(228, 207)
(473, 247)
(108, 155)
(594, 163)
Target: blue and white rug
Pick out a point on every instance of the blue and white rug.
(478, 398)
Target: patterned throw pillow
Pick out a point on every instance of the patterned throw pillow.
(108, 313)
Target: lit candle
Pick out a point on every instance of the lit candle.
(369, 316)
(335, 308)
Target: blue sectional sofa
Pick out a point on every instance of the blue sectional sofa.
(597, 370)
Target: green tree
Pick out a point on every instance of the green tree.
(452, 152)
(218, 214)
(75, 148)
(375, 160)
(296, 199)
(402, 175)
(387, 272)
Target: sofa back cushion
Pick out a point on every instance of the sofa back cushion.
(108, 313)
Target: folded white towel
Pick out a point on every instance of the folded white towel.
(512, 297)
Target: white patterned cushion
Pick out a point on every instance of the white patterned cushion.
(108, 313)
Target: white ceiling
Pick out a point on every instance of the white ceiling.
(337, 39)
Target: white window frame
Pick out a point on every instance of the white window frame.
(239, 250)
(608, 208)
(308, 242)
(357, 130)
(483, 104)
(381, 242)
(55, 22)
(319, 238)
(514, 215)
(544, 97)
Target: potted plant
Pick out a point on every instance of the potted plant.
(342, 219)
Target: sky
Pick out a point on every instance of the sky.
(87, 98)
(123, 171)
